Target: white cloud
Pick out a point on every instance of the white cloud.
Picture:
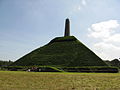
(75, 10)
(114, 38)
(108, 45)
(84, 2)
(103, 29)
(106, 50)
(79, 7)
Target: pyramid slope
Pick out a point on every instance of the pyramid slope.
(61, 51)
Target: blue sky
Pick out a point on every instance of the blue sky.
(28, 24)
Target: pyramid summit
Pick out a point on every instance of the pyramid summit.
(62, 51)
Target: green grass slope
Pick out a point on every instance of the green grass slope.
(61, 51)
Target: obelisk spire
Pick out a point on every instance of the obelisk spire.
(67, 27)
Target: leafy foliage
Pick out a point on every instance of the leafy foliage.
(33, 68)
(98, 69)
(114, 62)
(5, 63)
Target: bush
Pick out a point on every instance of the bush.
(33, 68)
(92, 69)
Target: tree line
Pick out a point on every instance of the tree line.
(114, 62)
(5, 63)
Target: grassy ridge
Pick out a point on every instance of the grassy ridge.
(61, 51)
(58, 81)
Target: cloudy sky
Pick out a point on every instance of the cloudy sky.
(28, 24)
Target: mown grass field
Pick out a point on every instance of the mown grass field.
(15, 80)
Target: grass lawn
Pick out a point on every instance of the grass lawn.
(11, 80)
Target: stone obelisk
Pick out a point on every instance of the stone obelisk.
(67, 27)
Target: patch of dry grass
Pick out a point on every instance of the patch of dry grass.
(10, 80)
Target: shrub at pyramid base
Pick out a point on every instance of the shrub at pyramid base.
(61, 51)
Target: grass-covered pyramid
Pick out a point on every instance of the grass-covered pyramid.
(62, 51)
